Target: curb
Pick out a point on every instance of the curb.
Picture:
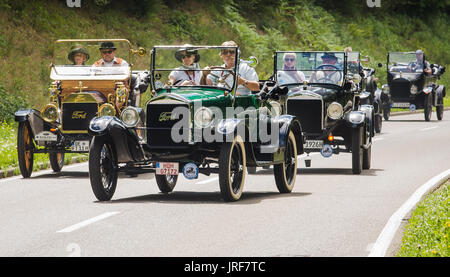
(417, 111)
(15, 171)
(387, 235)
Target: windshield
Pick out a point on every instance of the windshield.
(188, 66)
(91, 60)
(312, 67)
(405, 62)
(354, 63)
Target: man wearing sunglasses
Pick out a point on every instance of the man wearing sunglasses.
(247, 79)
(108, 52)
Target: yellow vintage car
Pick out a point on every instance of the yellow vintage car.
(90, 78)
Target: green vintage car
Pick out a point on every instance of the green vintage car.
(196, 124)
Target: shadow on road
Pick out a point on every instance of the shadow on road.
(411, 120)
(336, 171)
(185, 197)
(63, 175)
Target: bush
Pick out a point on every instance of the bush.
(9, 104)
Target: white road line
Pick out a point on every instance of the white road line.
(208, 181)
(87, 222)
(41, 172)
(429, 128)
(387, 234)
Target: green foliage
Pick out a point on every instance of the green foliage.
(427, 233)
(9, 104)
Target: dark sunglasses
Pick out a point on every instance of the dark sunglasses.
(225, 52)
(187, 55)
(289, 59)
(107, 51)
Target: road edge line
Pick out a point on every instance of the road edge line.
(386, 236)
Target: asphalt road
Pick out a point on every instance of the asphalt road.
(331, 212)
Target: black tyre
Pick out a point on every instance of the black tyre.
(102, 169)
(251, 169)
(286, 172)
(378, 123)
(232, 169)
(56, 161)
(440, 109)
(367, 157)
(357, 151)
(166, 183)
(25, 148)
(386, 113)
(428, 107)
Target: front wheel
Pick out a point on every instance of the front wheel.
(378, 123)
(232, 169)
(25, 148)
(386, 112)
(166, 183)
(102, 169)
(357, 152)
(428, 107)
(56, 161)
(286, 172)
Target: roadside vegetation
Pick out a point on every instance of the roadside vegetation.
(428, 231)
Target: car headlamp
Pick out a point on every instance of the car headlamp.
(385, 89)
(414, 89)
(356, 78)
(49, 113)
(276, 108)
(130, 117)
(203, 117)
(356, 117)
(335, 111)
(106, 110)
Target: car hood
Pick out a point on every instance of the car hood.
(327, 96)
(207, 96)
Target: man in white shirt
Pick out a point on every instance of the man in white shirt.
(247, 78)
(108, 52)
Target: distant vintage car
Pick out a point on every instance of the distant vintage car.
(193, 128)
(410, 87)
(82, 89)
(326, 98)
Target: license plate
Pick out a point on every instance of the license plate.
(166, 168)
(46, 136)
(80, 146)
(400, 105)
(313, 144)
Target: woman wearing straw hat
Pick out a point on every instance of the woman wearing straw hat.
(78, 54)
(188, 73)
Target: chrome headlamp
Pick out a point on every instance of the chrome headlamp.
(50, 113)
(356, 117)
(106, 110)
(335, 111)
(414, 89)
(203, 117)
(130, 117)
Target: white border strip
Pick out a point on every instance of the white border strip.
(86, 222)
(384, 240)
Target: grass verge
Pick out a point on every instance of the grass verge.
(428, 230)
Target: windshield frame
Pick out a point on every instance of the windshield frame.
(153, 55)
(389, 66)
(336, 86)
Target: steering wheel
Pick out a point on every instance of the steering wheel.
(327, 78)
(221, 79)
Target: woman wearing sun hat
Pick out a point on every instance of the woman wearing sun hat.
(78, 54)
(188, 73)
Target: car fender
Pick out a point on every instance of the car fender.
(124, 140)
(287, 123)
(355, 119)
(369, 110)
(440, 91)
(34, 119)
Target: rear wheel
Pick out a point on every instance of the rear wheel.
(286, 172)
(428, 107)
(56, 161)
(25, 148)
(166, 183)
(232, 169)
(357, 151)
(102, 169)
(378, 123)
(440, 109)
(386, 112)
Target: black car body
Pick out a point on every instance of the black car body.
(328, 104)
(169, 135)
(409, 86)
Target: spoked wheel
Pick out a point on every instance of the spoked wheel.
(102, 169)
(428, 107)
(232, 169)
(56, 161)
(357, 151)
(166, 183)
(286, 172)
(25, 148)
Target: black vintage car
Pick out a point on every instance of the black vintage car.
(412, 84)
(80, 91)
(326, 98)
(191, 128)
